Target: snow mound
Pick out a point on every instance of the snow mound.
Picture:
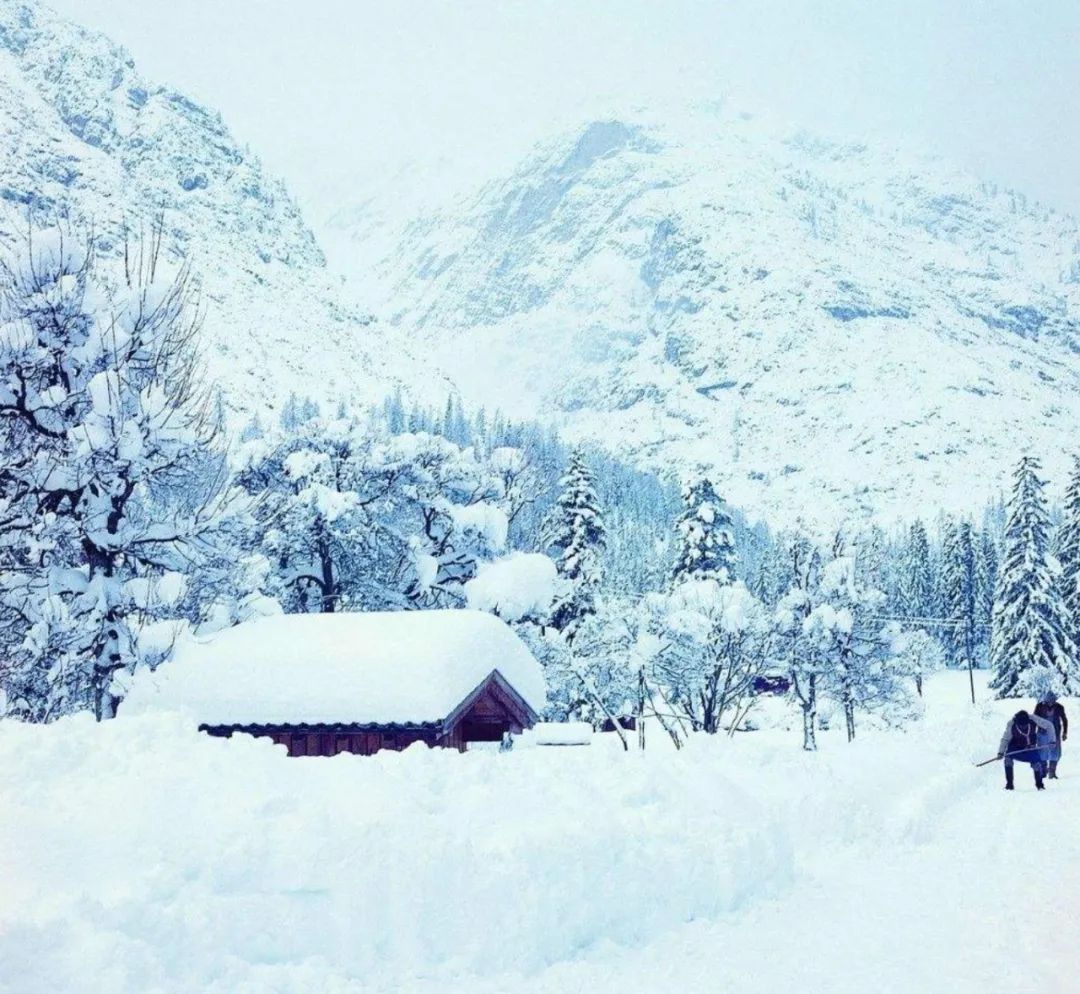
(221, 866)
(559, 733)
(361, 667)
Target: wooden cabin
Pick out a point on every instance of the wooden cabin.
(320, 684)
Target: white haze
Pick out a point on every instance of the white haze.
(334, 93)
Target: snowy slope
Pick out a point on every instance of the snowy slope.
(832, 328)
(83, 135)
(218, 866)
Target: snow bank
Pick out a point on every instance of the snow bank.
(374, 667)
(559, 733)
(138, 855)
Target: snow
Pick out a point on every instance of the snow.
(559, 733)
(486, 520)
(407, 666)
(521, 585)
(100, 144)
(882, 355)
(219, 866)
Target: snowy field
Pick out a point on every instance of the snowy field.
(137, 856)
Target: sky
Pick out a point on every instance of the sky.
(334, 94)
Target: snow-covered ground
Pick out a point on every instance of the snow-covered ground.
(139, 856)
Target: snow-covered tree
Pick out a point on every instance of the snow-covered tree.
(575, 533)
(715, 642)
(1031, 651)
(855, 646)
(916, 585)
(109, 491)
(1068, 555)
(705, 537)
(959, 590)
(834, 641)
(806, 667)
(358, 521)
(915, 654)
(986, 572)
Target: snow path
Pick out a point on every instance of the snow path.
(965, 888)
(991, 910)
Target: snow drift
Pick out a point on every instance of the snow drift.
(138, 855)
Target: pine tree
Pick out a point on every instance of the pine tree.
(1068, 554)
(916, 575)
(958, 593)
(1030, 651)
(705, 536)
(575, 532)
(290, 417)
(986, 584)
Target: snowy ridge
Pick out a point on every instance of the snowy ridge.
(83, 136)
(835, 329)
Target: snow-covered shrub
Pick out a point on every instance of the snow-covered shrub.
(715, 640)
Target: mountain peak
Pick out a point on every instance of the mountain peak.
(818, 323)
(85, 139)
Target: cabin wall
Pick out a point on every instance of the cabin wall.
(486, 715)
(488, 719)
(330, 742)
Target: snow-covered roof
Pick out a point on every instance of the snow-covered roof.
(406, 666)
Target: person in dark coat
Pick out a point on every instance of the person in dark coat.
(1052, 710)
(1021, 742)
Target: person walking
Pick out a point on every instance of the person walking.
(1021, 742)
(1053, 711)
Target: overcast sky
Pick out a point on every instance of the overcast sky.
(327, 90)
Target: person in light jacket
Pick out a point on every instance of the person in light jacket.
(1052, 710)
(1021, 742)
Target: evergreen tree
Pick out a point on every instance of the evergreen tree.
(1031, 651)
(1068, 554)
(958, 593)
(986, 564)
(575, 532)
(252, 430)
(291, 417)
(705, 537)
(916, 575)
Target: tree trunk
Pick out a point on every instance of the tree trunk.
(809, 710)
(329, 594)
(849, 718)
(641, 709)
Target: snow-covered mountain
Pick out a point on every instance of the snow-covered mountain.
(83, 135)
(831, 328)
(828, 328)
